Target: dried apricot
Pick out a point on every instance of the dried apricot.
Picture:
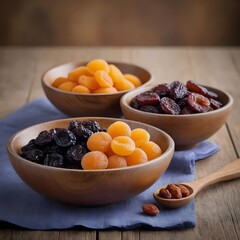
(138, 156)
(94, 160)
(122, 145)
(106, 90)
(99, 141)
(59, 81)
(88, 81)
(97, 64)
(81, 89)
(103, 79)
(140, 136)
(151, 149)
(133, 79)
(67, 86)
(119, 128)
(116, 161)
(77, 72)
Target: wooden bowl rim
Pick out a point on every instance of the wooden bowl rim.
(44, 83)
(124, 102)
(168, 151)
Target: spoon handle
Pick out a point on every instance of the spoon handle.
(228, 172)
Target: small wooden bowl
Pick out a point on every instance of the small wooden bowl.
(79, 105)
(89, 187)
(186, 130)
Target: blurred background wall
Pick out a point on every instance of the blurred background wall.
(119, 22)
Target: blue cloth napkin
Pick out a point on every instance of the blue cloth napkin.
(24, 207)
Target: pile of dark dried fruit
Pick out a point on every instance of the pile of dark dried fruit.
(177, 98)
(61, 147)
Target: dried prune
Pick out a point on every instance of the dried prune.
(194, 87)
(187, 110)
(44, 138)
(54, 149)
(54, 160)
(75, 153)
(162, 90)
(169, 106)
(183, 103)
(29, 146)
(148, 99)
(91, 125)
(177, 90)
(63, 137)
(215, 104)
(211, 94)
(198, 103)
(34, 155)
(134, 103)
(150, 109)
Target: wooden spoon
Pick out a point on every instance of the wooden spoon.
(228, 172)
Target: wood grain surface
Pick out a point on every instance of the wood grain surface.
(218, 206)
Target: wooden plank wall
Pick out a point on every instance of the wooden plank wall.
(119, 22)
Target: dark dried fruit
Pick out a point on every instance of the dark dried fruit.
(162, 90)
(91, 125)
(34, 155)
(194, 87)
(183, 102)
(186, 110)
(150, 109)
(54, 160)
(148, 99)
(164, 193)
(134, 103)
(44, 138)
(198, 103)
(215, 104)
(177, 90)
(75, 153)
(64, 137)
(169, 106)
(29, 146)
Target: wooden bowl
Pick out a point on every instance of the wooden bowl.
(89, 187)
(77, 104)
(186, 130)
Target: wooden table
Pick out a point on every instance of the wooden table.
(218, 206)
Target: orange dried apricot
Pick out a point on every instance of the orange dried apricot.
(94, 160)
(103, 79)
(123, 85)
(115, 73)
(59, 81)
(140, 136)
(119, 128)
(77, 72)
(151, 149)
(81, 89)
(106, 90)
(138, 156)
(133, 79)
(122, 145)
(67, 86)
(116, 161)
(99, 141)
(97, 64)
(88, 81)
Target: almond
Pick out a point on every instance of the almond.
(150, 209)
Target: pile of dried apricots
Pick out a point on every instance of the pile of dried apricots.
(97, 77)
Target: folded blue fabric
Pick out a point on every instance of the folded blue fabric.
(24, 207)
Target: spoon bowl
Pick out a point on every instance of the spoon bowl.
(228, 172)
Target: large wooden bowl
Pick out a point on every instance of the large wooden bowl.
(186, 130)
(80, 105)
(89, 187)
